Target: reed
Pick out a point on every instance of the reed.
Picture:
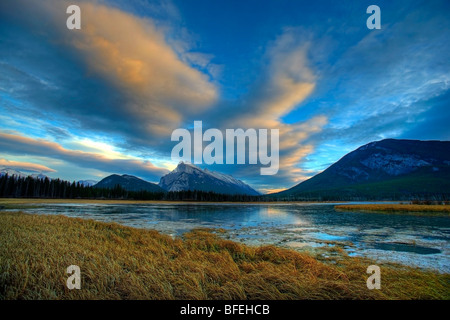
(119, 262)
(416, 209)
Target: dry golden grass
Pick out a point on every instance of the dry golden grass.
(119, 262)
(417, 209)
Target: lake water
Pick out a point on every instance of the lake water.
(410, 240)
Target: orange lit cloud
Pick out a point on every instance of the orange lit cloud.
(288, 83)
(26, 166)
(132, 55)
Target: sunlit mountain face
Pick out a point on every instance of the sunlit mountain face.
(82, 104)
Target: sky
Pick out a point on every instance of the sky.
(83, 104)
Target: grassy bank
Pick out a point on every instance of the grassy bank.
(19, 203)
(119, 262)
(416, 209)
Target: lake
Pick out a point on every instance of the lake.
(410, 240)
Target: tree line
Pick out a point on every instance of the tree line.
(21, 187)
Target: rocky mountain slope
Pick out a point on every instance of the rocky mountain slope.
(386, 169)
(187, 176)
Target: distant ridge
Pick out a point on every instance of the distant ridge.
(386, 169)
(12, 172)
(129, 183)
(187, 176)
(87, 183)
(18, 174)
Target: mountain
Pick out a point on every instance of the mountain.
(12, 172)
(386, 169)
(87, 183)
(187, 176)
(41, 176)
(38, 176)
(129, 183)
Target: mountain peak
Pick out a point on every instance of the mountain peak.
(187, 176)
(186, 167)
(186, 164)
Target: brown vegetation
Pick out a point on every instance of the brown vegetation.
(416, 209)
(119, 262)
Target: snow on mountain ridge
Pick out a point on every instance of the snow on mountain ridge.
(41, 176)
(187, 176)
(394, 164)
(12, 172)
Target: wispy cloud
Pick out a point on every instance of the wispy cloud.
(111, 94)
(159, 87)
(286, 82)
(25, 166)
(386, 83)
(20, 145)
(155, 88)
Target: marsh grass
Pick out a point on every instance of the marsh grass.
(415, 209)
(119, 262)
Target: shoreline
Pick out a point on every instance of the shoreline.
(399, 209)
(162, 202)
(250, 235)
(129, 263)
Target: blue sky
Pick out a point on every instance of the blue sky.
(82, 104)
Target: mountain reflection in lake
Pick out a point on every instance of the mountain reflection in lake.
(410, 240)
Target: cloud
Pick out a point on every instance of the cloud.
(432, 123)
(128, 81)
(20, 145)
(131, 53)
(384, 84)
(25, 166)
(119, 76)
(287, 81)
(146, 88)
(284, 83)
